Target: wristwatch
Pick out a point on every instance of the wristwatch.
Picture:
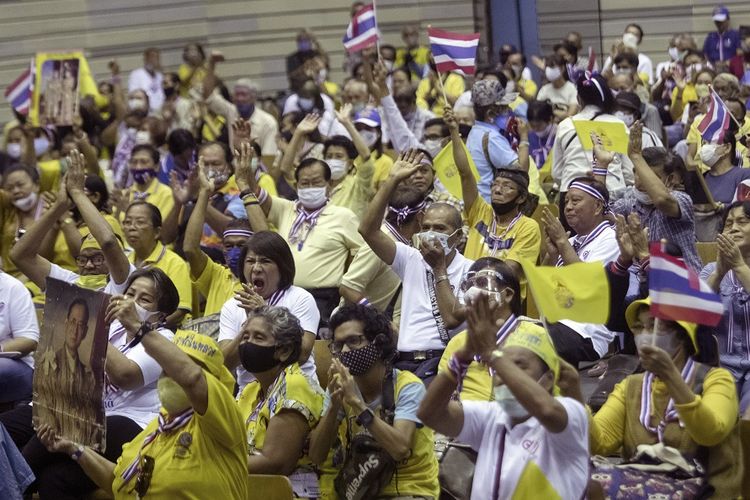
(496, 354)
(76, 455)
(366, 418)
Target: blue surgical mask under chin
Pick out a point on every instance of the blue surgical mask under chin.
(232, 259)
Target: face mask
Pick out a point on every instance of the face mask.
(143, 313)
(311, 198)
(433, 146)
(508, 402)
(338, 168)
(473, 293)
(630, 40)
(304, 45)
(709, 154)
(142, 176)
(232, 258)
(369, 136)
(701, 90)
(693, 69)
(642, 198)
(26, 203)
(501, 121)
(142, 137)
(134, 104)
(669, 343)
(14, 150)
(674, 53)
(504, 208)
(257, 358)
(245, 110)
(305, 104)
(173, 397)
(41, 145)
(388, 65)
(552, 73)
(626, 117)
(219, 178)
(359, 361)
(441, 238)
(92, 281)
(169, 91)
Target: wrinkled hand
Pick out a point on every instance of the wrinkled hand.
(635, 143)
(553, 228)
(623, 238)
(204, 182)
(183, 191)
(53, 442)
(603, 157)
(433, 253)
(728, 254)
(123, 309)
(76, 174)
(243, 171)
(344, 114)
(309, 124)
(551, 249)
(242, 131)
(657, 361)
(569, 381)
(450, 119)
(638, 237)
(407, 163)
(249, 300)
(482, 331)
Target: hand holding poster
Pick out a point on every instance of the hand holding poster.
(55, 98)
(614, 135)
(69, 374)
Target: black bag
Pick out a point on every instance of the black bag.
(368, 468)
(456, 473)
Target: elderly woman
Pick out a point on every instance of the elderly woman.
(362, 378)
(267, 273)
(194, 448)
(730, 277)
(585, 206)
(280, 406)
(677, 402)
(130, 393)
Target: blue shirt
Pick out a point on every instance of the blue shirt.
(724, 186)
(721, 46)
(500, 154)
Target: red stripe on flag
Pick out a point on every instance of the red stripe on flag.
(453, 36)
(17, 82)
(668, 312)
(446, 66)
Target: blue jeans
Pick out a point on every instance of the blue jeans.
(16, 376)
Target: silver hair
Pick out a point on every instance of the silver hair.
(284, 326)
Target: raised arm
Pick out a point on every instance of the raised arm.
(244, 175)
(660, 195)
(306, 126)
(452, 312)
(344, 117)
(191, 242)
(523, 144)
(468, 181)
(438, 410)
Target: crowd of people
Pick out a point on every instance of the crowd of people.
(236, 231)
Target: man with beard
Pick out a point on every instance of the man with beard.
(498, 229)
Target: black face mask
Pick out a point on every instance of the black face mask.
(169, 91)
(257, 358)
(504, 208)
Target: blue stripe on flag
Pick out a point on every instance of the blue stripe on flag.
(364, 25)
(454, 52)
(661, 280)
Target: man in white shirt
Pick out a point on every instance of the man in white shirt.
(149, 79)
(423, 333)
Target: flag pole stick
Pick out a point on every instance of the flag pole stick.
(377, 38)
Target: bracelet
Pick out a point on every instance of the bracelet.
(601, 172)
(248, 203)
(246, 192)
(363, 302)
(523, 143)
(442, 277)
(262, 196)
(76, 455)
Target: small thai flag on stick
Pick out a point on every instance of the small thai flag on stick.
(362, 31)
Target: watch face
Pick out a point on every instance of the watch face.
(365, 418)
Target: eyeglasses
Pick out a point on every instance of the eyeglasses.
(139, 223)
(145, 471)
(97, 260)
(353, 342)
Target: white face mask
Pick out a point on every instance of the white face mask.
(338, 168)
(312, 198)
(674, 53)
(642, 197)
(630, 40)
(134, 104)
(552, 73)
(369, 136)
(433, 146)
(709, 154)
(667, 342)
(626, 117)
(143, 137)
(14, 150)
(41, 145)
(27, 202)
(441, 238)
(305, 104)
(508, 402)
(143, 313)
(473, 293)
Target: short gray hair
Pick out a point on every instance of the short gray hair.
(285, 328)
(248, 83)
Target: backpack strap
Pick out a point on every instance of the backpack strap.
(388, 408)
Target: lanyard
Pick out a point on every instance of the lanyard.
(670, 413)
(271, 390)
(496, 240)
(303, 216)
(276, 296)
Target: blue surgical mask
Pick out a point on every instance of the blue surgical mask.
(305, 104)
(245, 110)
(508, 402)
(41, 145)
(142, 176)
(501, 121)
(232, 259)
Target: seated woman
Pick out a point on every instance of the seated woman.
(130, 393)
(364, 348)
(195, 448)
(19, 333)
(688, 405)
(267, 273)
(730, 277)
(280, 406)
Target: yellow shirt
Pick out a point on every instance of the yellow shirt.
(290, 391)
(157, 194)
(529, 87)
(694, 137)
(196, 81)
(688, 95)
(213, 465)
(176, 268)
(217, 284)
(355, 190)
(383, 165)
(427, 92)
(330, 244)
(266, 182)
(420, 55)
(50, 173)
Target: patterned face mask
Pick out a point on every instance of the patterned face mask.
(359, 361)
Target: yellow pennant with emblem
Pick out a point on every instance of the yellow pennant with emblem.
(578, 292)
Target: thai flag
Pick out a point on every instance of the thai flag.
(678, 293)
(18, 93)
(362, 31)
(716, 122)
(454, 51)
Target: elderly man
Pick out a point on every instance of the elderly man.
(148, 78)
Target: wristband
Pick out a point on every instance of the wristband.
(442, 277)
(262, 196)
(246, 192)
(76, 455)
(146, 327)
(523, 143)
(600, 172)
(363, 302)
(457, 367)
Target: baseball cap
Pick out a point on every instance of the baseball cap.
(631, 315)
(206, 351)
(369, 117)
(489, 92)
(720, 13)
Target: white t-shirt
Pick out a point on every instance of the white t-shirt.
(603, 249)
(567, 94)
(140, 405)
(62, 274)
(562, 458)
(300, 303)
(17, 313)
(417, 329)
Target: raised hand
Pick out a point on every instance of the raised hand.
(657, 361)
(603, 157)
(522, 127)
(241, 130)
(482, 330)
(450, 119)
(728, 254)
(638, 236)
(243, 171)
(344, 114)
(123, 309)
(623, 238)
(553, 228)
(76, 174)
(407, 163)
(204, 182)
(348, 385)
(433, 253)
(249, 299)
(120, 199)
(181, 191)
(376, 81)
(309, 123)
(635, 144)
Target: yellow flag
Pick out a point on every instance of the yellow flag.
(579, 292)
(614, 134)
(447, 172)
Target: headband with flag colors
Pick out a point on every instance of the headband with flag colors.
(714, 125)
(677, 293)
(454, 51)
(18, 93)
(362, 31)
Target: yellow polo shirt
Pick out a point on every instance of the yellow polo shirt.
(523, 240)
(454, 86)
(50, 173)
(383, 165)
(355, 191)
(207, 458)
(217, 284)
(266, 182)
(157, 194)
(176, 268)
(329, 246)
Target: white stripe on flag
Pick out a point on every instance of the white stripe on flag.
(363, 37)
(454, 43)
(443, 58)
(681, 272)
(685, 301)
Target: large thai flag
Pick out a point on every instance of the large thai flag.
(716, 122)
(362, 31)
(678, 293)
(18, 93)
(454, 51)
